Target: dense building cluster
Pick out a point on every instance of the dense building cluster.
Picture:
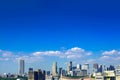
(78, 72)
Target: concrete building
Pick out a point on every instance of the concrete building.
(60, 71)
(95, 67)
(36, 75)
(99, 76)
(109, 75)
(54, 69)
(85, 66)
(117, 71)
(21, 67)
(30, 74)
(69, 67)
(69, 78)
(78, 66)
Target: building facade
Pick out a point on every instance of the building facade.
(54, 69)
(21, 67)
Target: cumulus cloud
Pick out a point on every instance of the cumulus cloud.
(77, 52)
(29, 59)
(112, 56)
(73, 56)
(105, 57)
(73, 53)
(48, 53)
(112, 52)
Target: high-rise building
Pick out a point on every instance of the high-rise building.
(95, 67)
(78, 66)
(85, 66)
(21, 67)
(54, 69)
(69, 67)
(100, 69)
(36, 75)
(117, 70)
(30, 74)
(111, 68)
(60, 71)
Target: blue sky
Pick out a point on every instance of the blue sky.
(30, 26)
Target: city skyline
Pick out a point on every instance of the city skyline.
(41, 32)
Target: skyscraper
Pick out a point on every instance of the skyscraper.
(95, 67)
(30, 74)
(78, 66)
(100, 69)
(21, 67)
(60, 71)
(69, 67)
(86, 67)
(54, 69)
(36, 75)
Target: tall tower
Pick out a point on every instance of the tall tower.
(21, 67)
(54, 69)
(69, 67)
(95, 67)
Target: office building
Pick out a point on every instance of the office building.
(117, 71)
(100, 69)
(21, 67)
(36, 75)
(69, 67)
(85, 66)
(60, 71)
(30, 74)
(54, 69)
(111, 68)
(78, 66)
(109, 75)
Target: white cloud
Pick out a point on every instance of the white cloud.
(47, 53)
(110, 57)
(112, 52)
(29, 59)
(77, 49)
(73, 56)
(7, 54)
(72, 53)
(105, 57)
(37, 53)
(89, 53)
(76, 52)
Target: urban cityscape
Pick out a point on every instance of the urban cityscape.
(59, 39)
(72, 72)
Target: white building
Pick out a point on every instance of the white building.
(117, 72)
(54, 69)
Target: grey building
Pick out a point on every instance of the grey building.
(54, 69)
(21, 67)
